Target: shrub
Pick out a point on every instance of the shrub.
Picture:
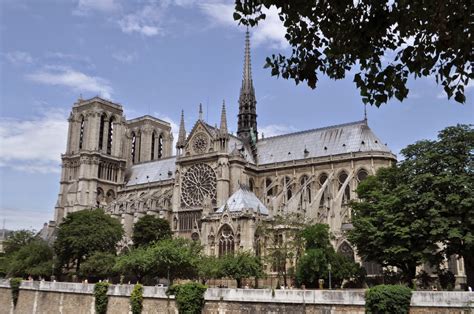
(136, 299)
(15, 286)
(189, 297)
(388, 299)
(101, 298)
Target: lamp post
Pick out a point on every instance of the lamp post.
(329, 269)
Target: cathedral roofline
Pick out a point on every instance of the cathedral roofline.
(335, 126)
(82, 102)
(148, 117)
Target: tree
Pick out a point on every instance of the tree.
(85, 232)
(209, 267)
(18, 239)
(319, 253)
(241, 265)
(176, 258)
(149, 229)
(284, 243)
(34, 258)
(99, 265)
(421, 209)
(383, 41)
(138, 262)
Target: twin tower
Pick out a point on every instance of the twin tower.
(102, 145)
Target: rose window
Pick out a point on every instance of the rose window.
(200, 143)
(199, 183)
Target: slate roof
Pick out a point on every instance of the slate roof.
(158, 170)
(242, 200)
(332, 140)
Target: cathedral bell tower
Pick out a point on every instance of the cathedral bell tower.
(247, 117)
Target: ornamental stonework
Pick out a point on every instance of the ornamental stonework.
(199, 183)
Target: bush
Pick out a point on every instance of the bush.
(136, 299)
(388, 299)
(15, 286)
(101, 298)
(189, 297)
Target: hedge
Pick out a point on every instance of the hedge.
(388, 299)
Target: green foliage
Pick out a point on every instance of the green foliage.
(387, 299)
(34, 258)
(98, 265)
(17, 239)
(382, 42)
(241, 265)
(189, 297)
(176, 258)
(136, 299)
(424, 280)
(85, 232)
(15, 287)
(313, 265)
(137, 262)
(427, 199)
(149, 229)
(101, 298)
(209, 267)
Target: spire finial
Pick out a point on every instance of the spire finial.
(365, 113)
(223, 128)
(200, 111)
(182, 132)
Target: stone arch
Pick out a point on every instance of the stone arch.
(103, 119)
(341, 178)
(226, 240)
(110, 196)
(306, 188)
(362, 174)
(100, 196)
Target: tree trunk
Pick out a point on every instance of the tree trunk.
(239, 282)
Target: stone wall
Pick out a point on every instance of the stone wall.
(77, 298)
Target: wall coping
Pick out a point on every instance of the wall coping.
(452, 299)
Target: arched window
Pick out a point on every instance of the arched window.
(362, 174)
(346, 250)
(100, 197)
(81, 133)
(268, 188)
(288, 187)
(322, 179)
(153, 139)
(305, 191)
(160, 146)
(110, 136)
(110, 196)
(251, 184)
(101, 131)
(226, 241)
(347, 190)
(134, 146)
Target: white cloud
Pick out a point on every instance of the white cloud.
(269, 31)
(276, 129)
(145, 21)
(124, 57)
(20, 218)
(104, 6)
(19, 57)
(34, 145)
(73, 79)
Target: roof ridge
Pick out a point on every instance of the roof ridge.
(315, 129)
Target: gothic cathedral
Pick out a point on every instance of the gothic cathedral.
(218, 186)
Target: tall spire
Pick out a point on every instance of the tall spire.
(247, 122)
(223, 128)
(200, 111)
(182, 132)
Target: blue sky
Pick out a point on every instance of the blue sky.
(159, 57)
